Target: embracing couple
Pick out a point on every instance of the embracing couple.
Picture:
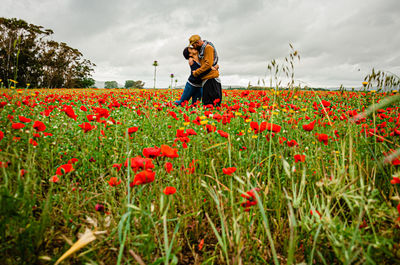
(203, 82)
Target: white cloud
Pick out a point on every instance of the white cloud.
(336, 39)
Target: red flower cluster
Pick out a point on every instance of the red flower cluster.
(251, 199)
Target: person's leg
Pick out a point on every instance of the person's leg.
(186, 95)
(196, 94)
(218, 87)
(212, 90)
(207, 93)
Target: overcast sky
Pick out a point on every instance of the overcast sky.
(339, 41)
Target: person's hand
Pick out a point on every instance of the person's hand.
(216, 67)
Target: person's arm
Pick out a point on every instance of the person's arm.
(208, 61)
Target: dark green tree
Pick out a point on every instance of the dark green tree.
(134, 84)
(27, 55)
(129, 83)
(111, 84)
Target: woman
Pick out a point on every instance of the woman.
(193, 87)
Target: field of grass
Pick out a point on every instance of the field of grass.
(269, 177)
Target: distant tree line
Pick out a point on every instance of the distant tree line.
(28, 56)
(128, 84)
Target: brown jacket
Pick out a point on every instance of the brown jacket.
(206, 63)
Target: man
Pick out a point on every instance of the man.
(212, 91)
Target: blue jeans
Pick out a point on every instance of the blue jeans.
(190, 92)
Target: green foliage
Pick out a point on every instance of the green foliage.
(134, 84)
(30, 57)
(110, 84)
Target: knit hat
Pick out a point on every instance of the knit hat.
(193, 39)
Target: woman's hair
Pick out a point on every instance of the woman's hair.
(186, 53)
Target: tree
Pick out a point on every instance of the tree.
(155, 64)
(111, 84)
(129, 83)
(138, 84)
(28, 56)
(172, 78)
(134, 84)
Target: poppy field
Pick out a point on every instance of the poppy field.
(123, 176)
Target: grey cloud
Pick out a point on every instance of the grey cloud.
(334, 38)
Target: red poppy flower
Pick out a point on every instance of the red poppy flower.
(229, 170)
(395, 161)
(210, 128)
(254, 126)
(395, 180)
(86, 127)
(223, 134)
(72, 161)
(132, 130)
(309, 127)
(39, 126)
(17, 125)
(113, 182)
(33, 142)
(54, 179)
(169, 190)
(1, 135)
(325, 103)
(292, 143)
(173, 115)
(151, 152)
(139, 162)
(69, 111)
(323, 138)
(47, 134)
(83, 108)
(299, 158)
(24, 119)
(64, 169)
(3, 164)
(251, 199)
(99, 207)
(192, 167)
(201, 244)
(143, 177)
(22, 172)
(90, 117)
(117, 166)
(192, 132)
(169, 151)
(168, 167)
(271, 127)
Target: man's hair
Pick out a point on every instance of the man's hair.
(186, 53)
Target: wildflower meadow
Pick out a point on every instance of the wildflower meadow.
(271, 176)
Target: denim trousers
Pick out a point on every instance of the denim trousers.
(190, 92)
